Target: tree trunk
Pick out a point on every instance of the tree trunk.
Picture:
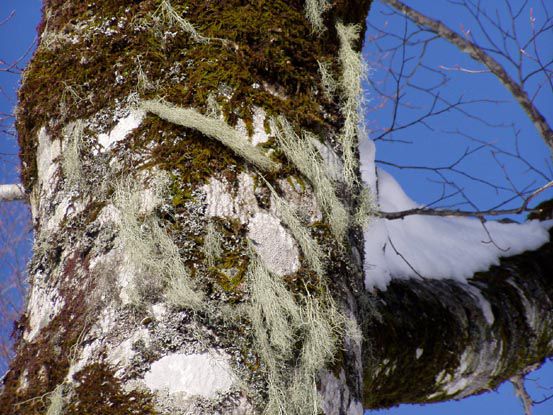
(189, 257)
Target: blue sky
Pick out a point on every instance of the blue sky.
(431, 146)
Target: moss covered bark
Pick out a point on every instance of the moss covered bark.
(434, 334)
(226, 59)
(94, 62)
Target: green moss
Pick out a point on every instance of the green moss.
(258, 66)
(187, 155)
(99, 392)
(45, 361)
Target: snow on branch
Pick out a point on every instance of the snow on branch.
(438, 247)
(11, 192)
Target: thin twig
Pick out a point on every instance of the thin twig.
(478, 53)
(454, 212)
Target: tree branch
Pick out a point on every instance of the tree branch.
(522, 393)
(477, 53)
(11, 192)
(456, 212)
(453, 339)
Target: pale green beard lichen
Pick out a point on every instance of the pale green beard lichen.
(150, 252)
(212, 245)
(366, 209)
(350, 83)
(328, 82)
(143, 83)
(310, 248)
(56, 399)
(306, 158)
(167, 14)
(71, 161)
(314, 10)
(214, 128)
(281, 322)
(213, 107)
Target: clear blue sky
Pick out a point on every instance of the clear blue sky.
(430, 147)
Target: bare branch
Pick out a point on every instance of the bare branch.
(477, 53)
(454, 212)
(522, 393)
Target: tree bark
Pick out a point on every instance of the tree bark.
(156, 243)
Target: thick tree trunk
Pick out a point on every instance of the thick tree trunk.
(188, 258)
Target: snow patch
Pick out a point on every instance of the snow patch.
(122, 129)
(431, 246)
(196, 374)
(273, 244)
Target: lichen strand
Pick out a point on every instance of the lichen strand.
(271, 55)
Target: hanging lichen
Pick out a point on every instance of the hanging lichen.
(306, 158)
(350, 83)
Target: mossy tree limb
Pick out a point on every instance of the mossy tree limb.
(435, 342)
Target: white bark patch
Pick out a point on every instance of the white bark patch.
(472, 374)
(196, 374)
(355, 408)
(159, 311)
(259, 134)
(122, 129)
(335, 395)
(219, 200)
(533, 316)
(331, 160)
(301, 196)
(65, 208)
(45, 305)
(47, 153)
(125, 278)
(273, 244)
(121, 355)
(485, 305)
(85, 357)
(222, 201)
(23, 382)
(108, 214)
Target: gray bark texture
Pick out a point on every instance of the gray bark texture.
(195, 246)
